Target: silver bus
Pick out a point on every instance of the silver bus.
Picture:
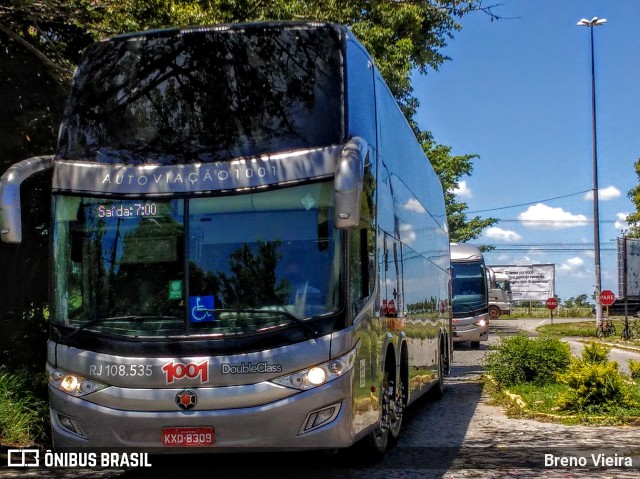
(470, 298)
(249, 247)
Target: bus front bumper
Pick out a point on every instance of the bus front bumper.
(470, 330)
(78, 423)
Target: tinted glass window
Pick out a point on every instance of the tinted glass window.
(208, 95)
(469, 287)
(119, 264)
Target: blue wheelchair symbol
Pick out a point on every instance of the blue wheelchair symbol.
(201, 308)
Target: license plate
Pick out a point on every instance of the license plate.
(188, 436)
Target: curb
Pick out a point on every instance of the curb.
(624, 347)
(516, 399)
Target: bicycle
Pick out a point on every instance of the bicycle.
(605, 329)
(631, 330)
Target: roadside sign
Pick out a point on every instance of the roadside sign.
(607, 298)
(552, 303)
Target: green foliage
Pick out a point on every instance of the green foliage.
(634, 196)
(519, 359)
(581, 301)
(22, 415)
(450, 169)
(584, 329)
(634, 368)
(595, 353)
(595, 387)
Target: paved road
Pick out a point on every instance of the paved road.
(461, 436)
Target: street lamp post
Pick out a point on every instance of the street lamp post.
(595, 22)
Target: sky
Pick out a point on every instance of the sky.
(517, 92)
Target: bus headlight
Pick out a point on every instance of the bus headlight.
(320, 374)
(71, 383)
(480, 322)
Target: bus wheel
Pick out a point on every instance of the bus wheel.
(396, 410)
(376, 443)
(494, 312)
(379, 439)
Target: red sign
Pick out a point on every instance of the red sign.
(552, 303)
(607, 297)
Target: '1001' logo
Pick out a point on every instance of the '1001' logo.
(175, 371)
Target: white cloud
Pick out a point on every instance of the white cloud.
(462, 190)
(604, 194)
(499, 234)
(621, 221)
(414, 206)
(574, 267)
(407, 233)
(572, 264)
(541, 216)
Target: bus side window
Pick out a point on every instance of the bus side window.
(359, 269)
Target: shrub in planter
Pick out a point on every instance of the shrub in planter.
(595, 383)
(519, 359)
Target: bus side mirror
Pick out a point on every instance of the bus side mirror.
(10, 181)
(349, 182)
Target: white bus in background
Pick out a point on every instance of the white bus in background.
(470, 297)
(249, 246)
(500, 298)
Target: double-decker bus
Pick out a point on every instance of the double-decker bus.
(249, 247)
(470, 299)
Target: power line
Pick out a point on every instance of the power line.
(530, 203)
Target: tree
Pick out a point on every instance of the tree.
(450, 169)
(634, 196)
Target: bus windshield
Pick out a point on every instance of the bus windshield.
(213, 265)
(181, 96)
(469, 288)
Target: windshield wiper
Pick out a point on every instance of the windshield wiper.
(134, 318)
(308, 328)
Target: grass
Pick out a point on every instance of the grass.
(543, 312)
(541, 404)
(586, 329)
(23, 416)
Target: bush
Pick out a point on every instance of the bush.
(634, 368)
(595, 383)
(595, 353)
(519, 360)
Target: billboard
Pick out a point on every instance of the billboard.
(530, 282)
(628, 267)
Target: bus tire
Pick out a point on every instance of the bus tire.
(381, 438)
(396, 411)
